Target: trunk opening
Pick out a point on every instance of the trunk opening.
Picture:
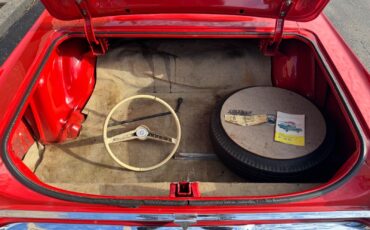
(201, 72)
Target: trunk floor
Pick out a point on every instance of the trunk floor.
(201, 72)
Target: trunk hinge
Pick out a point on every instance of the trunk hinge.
(270, 46)
(98, 46)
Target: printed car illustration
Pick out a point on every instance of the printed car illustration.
(289, 126)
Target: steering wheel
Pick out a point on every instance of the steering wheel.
(141, 133)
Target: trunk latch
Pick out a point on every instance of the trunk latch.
(270, 46)
(98, 46)
(184, 189)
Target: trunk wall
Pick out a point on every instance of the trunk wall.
(295, 68)
(22, 139)
(66, 83)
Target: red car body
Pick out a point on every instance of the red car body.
(346, 197)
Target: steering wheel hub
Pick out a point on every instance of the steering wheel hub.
(142, 132)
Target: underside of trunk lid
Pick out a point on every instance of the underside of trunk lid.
(302, 10)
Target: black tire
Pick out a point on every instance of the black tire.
(261, 169)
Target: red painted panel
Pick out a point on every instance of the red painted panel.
(65, 84)
(293, 68)
(22, 140)
(302, 10)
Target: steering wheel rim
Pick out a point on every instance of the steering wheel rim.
(134, 168)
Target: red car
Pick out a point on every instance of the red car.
(82, 57)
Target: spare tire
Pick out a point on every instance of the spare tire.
(247, 150)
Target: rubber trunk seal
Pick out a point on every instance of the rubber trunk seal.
(135, 202)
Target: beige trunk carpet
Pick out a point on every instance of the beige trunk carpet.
(199, 71)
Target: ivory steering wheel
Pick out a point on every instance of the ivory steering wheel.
(141, 133)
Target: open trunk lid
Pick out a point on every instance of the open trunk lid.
(300, 10)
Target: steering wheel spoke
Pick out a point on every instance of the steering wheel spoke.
(127, 136)
(161, 138)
